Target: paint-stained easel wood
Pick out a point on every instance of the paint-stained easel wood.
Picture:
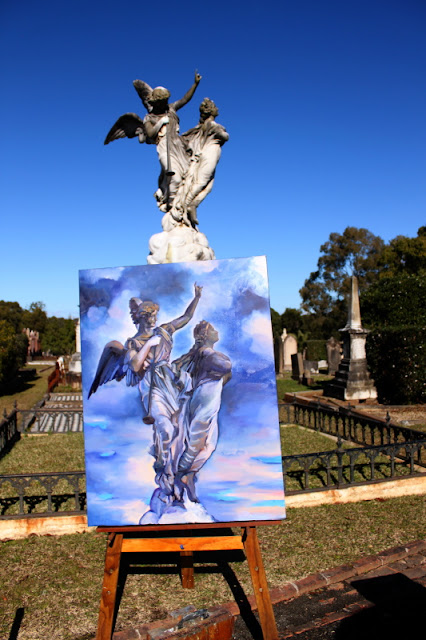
(183, 539)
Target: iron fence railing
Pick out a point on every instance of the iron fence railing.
(344, 467)
(389, 452)
(349, 424)
(9, 432)
(42, 494)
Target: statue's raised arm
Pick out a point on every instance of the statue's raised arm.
(188, 95)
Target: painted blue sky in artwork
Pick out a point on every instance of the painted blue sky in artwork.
(243, 479)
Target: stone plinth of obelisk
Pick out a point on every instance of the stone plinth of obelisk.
(352, 380)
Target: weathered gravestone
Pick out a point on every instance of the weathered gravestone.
(333, 355)
(289, 343)
(297, 366)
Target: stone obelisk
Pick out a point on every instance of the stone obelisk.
(352, 380)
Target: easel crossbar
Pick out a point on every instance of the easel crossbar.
(213, 543)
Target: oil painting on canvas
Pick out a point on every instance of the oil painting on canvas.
(180, 404)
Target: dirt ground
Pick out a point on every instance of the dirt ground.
(405, 415)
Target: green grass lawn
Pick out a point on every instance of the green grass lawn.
(41, 453)
(58, 580)
(288, 385)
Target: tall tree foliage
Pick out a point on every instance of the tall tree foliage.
(404, 255)
(355, 252)
(13, 352)
(59, 336)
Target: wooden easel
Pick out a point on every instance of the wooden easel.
(145, 539)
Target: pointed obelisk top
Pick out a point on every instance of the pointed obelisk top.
(354, 312)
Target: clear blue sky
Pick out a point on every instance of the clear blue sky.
(324, 101)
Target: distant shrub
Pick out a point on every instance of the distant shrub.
(316, 350)
(394, 308)
(394, 302)
(397, 362)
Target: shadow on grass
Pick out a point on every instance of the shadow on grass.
(14, 631)
(30, 503)
(213, 562)
(25, 379)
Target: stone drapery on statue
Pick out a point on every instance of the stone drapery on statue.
(188, 163)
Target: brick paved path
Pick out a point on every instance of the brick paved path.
(376, 597)
(381, 596)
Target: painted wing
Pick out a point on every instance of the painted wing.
(144, 93)
(110, 365)
(127, 126)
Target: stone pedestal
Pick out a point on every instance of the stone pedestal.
(178, 243)
(352, 380)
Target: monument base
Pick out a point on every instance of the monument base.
(352, 382)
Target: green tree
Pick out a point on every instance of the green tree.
(404, 255)
(13, 349)
(59, 336)
(13, 314)
(293, 320)
(354, 252)
(276, 324)
(35, 317)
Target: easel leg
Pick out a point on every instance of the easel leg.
(109, 587)
(260, 585)
(187, 569)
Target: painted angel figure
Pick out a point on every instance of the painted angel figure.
(144, 360)
(160, 127)
(210, 370)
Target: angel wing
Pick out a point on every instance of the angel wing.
(144, 93)
(110, 365)
(127, 126)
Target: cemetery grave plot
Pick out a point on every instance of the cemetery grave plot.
(44, 454)
(296, 440)
(41, 453)
(351, 447)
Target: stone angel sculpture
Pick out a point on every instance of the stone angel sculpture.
(160, 127)
(204, 145)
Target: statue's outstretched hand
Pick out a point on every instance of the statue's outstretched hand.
(197, 77)
(197, 290)
(166, 120)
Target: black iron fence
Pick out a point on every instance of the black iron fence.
(42, 494)
(346, 422)
(9, 432)
(343, 467)
(389, 451)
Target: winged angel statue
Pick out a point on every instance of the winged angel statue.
(188, 162)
